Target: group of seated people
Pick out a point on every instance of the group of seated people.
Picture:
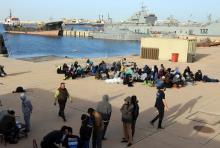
(9, 127)
(75, 70)
(128, 73)
(2, 72)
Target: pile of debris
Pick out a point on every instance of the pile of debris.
(208, 43)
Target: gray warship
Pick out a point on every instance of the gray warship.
(144, 24)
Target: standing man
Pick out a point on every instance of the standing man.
(97, 128)
(27, 110)
(160, 104)
(105, 109)
(61, 96)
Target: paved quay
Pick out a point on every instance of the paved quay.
(189, 107)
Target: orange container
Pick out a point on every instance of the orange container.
(175, 57)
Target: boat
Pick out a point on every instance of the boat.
(13, 25)
(143, 24)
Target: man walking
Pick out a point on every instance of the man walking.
(61, 96)
(27, 110)
(160, 104)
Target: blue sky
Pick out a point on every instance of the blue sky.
(118, 9)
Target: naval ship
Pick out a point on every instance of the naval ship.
(144, 24)
(13, 25)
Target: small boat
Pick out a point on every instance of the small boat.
(13, 25)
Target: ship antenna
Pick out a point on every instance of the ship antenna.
(10, 14)
(143, 7)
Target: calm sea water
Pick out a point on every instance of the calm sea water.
(22, 46)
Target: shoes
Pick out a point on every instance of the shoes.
(129, 144)
(151, 123)
(124, 141)
(64, 119)
(160, 128)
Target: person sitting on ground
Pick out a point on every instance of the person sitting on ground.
(208, 79)
(103, 69)
(8, 126)
(65, 68)
(71, 141)
(55, 138)
(128, 80)
(161, 72)
(86, 130)
(177, 81)
(187, 72)
(198, 75)
(105, 109)
(2, 72)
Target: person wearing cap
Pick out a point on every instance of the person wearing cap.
(105, 109)
(127, 119)
(160, 105)
(26, 110)
(61, 96)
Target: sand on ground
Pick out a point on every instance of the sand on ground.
(189, 106)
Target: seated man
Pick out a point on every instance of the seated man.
(71, 141)
(54, 138)
(198, 76)
(2, 72)
(8, 126)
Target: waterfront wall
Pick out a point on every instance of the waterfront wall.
(76, 33)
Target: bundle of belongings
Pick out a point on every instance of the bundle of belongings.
(2, 72)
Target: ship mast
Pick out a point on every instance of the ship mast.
(10, 14)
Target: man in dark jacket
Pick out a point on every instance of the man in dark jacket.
(160, 105)
(134, 101)
(61, 96)
(54, 138)
(8, 126)
(198, 76)
(86, 130)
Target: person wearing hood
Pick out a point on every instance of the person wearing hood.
(27, 110)
(105, 109)
(127, 119)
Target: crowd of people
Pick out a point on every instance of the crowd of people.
(128, 73)
(94, 126)
(95, 122)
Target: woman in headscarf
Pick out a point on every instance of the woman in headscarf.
(105, 109)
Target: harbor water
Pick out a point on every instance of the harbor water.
(24, 46)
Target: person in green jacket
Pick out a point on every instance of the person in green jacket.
(61, 96)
